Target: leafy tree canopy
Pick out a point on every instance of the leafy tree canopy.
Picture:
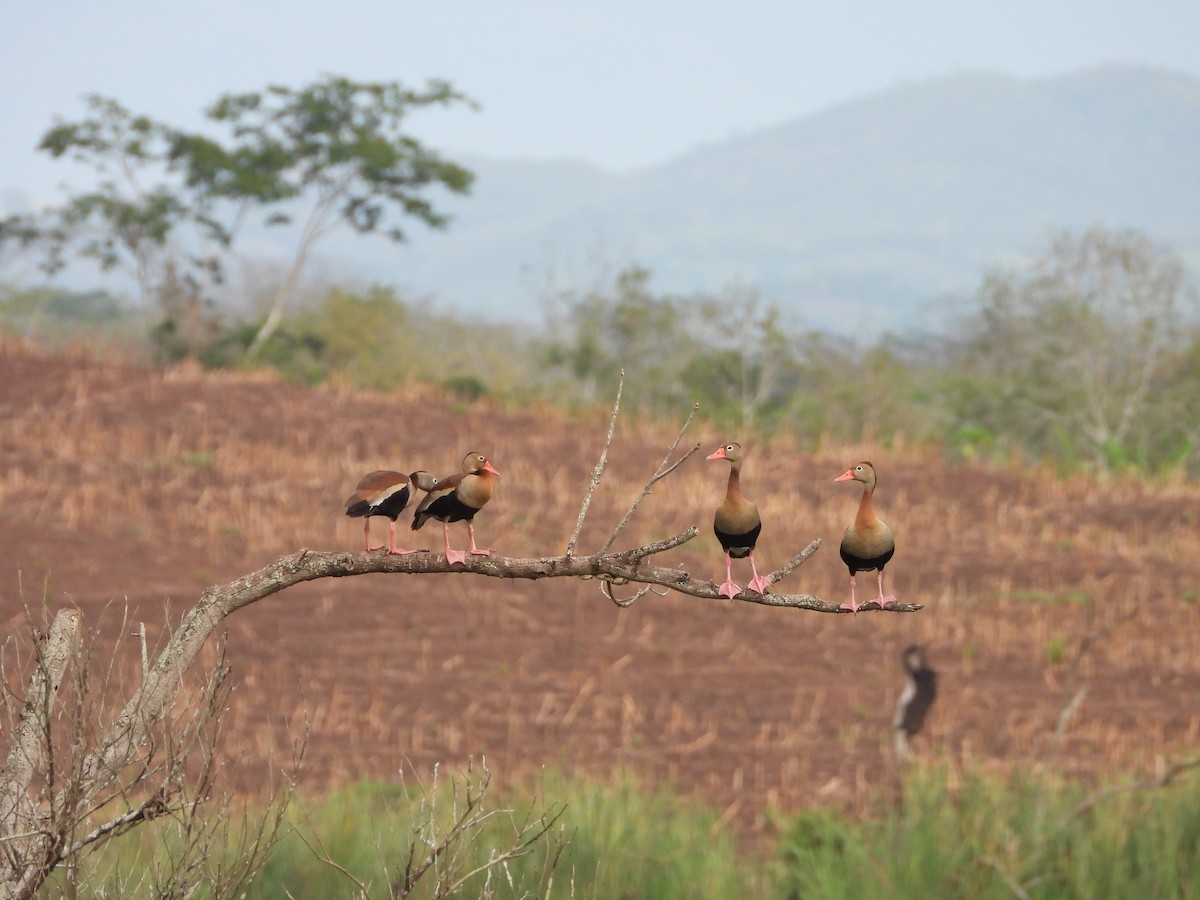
(169, 204)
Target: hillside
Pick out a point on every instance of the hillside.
(863, 215)
(133, 486)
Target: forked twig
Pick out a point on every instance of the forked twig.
(606, 587)
(664, 469)
(598, 470)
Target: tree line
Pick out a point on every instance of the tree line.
(1086, 357)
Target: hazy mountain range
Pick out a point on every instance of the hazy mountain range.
(870, 215)
(858, 216)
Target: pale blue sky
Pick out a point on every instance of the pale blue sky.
(621, 84)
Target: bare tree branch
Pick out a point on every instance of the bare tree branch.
(662, 472)
(599, 468)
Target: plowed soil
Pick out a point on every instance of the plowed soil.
(127, 490)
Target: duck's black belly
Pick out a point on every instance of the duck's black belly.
(738, 545)
(450, 509)
(863, 564)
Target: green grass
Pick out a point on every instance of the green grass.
(955, 835)
(1028, 836)
(624, 841)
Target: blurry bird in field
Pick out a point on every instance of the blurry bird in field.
(867, 542)
(386, 493)
(920, 690)
(458, 498)
(737, 524)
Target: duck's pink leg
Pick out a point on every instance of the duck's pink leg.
(475, 551)
(367, 535)
(884, 600)
(758, 583)
(452, 556)
(852, 606)
(392, 548)
(728, 589)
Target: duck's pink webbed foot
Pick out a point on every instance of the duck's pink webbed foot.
(759, 584)
(728, 589)
(392, 549)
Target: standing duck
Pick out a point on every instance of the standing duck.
(737, 524)
(867, 542)
(457, 499)
(386, 493)
(920, 690)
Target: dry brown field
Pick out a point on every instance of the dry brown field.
(127, 490)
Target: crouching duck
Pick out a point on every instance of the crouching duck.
(386, 493)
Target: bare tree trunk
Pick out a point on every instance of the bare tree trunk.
(318, 223)
(20, 825)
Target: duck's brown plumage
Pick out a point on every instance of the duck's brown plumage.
(867, 542)
(458, 498)
(736, 523)
(385, 493)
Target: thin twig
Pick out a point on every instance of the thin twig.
(322, 856)
(639, 553)
(1013, 885)
(1161, 781)
(786, 569)
(1068, 713)
(523, 845)
(153, 808)
(662, 472)
(606, 586)
(598, 470)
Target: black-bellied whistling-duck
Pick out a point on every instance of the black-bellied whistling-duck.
(457, 499)
(386, 493)
(737, 524)
(867, 542)
(920, 690)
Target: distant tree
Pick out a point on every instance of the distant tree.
(1078, 357)
(170, 203)
(359, 336)
(594, 335)
(749, 367)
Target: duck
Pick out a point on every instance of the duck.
(457, 498)
(867, 542)
(920, 690)
(386, 493)
(737, 524)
